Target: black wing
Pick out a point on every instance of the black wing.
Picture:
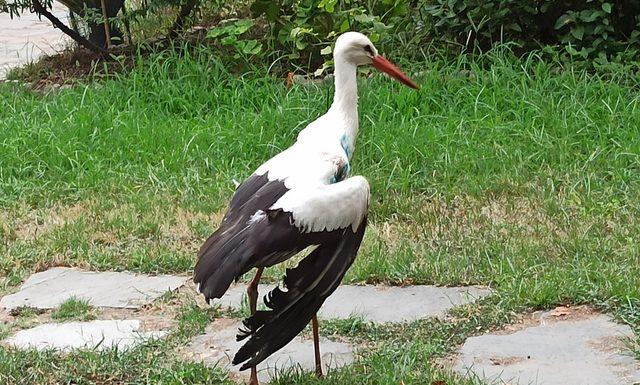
(226, 253)
(307, 287)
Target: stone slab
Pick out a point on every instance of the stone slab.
(218, 346)
(583, 351)
(99, 335)
(48, 289)
(379, 304)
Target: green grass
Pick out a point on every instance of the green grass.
(74, 309)
(26, 318)
(506, 172)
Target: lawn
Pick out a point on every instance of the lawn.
(507, 172)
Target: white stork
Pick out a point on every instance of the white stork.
(301, 197)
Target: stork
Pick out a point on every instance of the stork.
(301, 197)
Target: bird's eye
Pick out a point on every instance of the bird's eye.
(369, 49)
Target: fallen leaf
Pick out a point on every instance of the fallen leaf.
(289, 81)
(560, 311)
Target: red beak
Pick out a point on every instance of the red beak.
(381, 64)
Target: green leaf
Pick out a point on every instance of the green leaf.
(326, 50)
(364, 19)
(229, 40)
(344, 27)
(589, 15)
(584, 52)
(514, 27)
(563, 20)
(216, 32)
(328, 5)
(242, 26)
(572, 51)
(251, 47)
(380, 27)
(578, 32)
(606, 7)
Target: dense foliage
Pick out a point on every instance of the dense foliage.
(586, 29)
(301, 31)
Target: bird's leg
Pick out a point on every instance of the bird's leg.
(252, 294)
(316, 346)
(252, 291)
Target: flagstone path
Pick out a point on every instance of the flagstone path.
(379, 304)
(573, 346)
(217, 346)
(570, 347)
(48, 289)
(101, 334)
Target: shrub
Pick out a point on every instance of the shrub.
(585, 28)
(302, 30)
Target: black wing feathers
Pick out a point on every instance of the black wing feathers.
(255, 193)
(308, 285)
(226, 254)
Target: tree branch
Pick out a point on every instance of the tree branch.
(40, 9)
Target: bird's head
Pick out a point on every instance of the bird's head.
(357, 49)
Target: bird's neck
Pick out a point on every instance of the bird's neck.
(345, 102)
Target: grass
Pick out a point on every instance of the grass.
(74, 309)
(507, 172)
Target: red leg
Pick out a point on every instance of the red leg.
(252, 294)
(252, 291)
(316, 346)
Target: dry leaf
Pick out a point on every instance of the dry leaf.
(289, 80)
(560, 311)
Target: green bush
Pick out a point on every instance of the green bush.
(302, 30)
(586, 29)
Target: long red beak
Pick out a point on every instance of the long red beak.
(381, 64)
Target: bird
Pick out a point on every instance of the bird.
(303, 197)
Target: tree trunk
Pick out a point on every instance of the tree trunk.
(97, 34)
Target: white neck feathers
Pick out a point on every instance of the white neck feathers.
(340, 123)
(345, 98)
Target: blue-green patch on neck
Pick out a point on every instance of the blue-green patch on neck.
(344, 142)
(342, 173)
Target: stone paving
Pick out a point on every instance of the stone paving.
(101, 334)
(379, 304)
(566, 347)
(48, 289)
(217, 346)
